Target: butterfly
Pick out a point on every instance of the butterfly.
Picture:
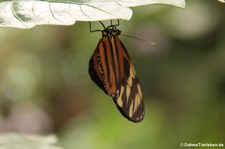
(111, 68)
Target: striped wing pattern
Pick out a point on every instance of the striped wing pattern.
(110, 67)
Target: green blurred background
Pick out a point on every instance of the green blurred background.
(45, 87)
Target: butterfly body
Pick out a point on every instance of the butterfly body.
(111, 68)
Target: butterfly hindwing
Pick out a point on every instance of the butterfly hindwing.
(95, 70)
(102, 68)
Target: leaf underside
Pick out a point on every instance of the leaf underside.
(29, 13)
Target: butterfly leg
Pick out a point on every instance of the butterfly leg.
(98, 30)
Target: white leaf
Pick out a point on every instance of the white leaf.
(20, 141)
(28, 13)
(223, 1)
(134, 3)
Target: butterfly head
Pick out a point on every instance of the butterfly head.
(110, 31)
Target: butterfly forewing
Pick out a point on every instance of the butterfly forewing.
(130, 101)
(111, 68)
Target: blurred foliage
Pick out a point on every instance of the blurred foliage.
(21, 141)
(45, 86)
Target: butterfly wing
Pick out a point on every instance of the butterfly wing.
(96, 70)
(129, 101)
(103, 70)
(111, 68)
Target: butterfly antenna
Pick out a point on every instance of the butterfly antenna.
(102, 24)
(146, 41)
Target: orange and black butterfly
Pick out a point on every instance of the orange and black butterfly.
(111, 68)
